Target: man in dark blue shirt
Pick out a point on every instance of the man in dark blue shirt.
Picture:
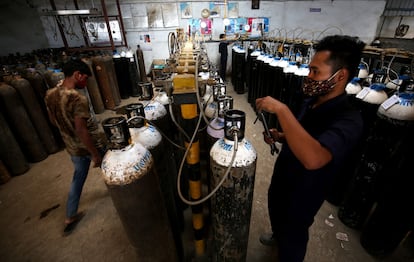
(316, 143)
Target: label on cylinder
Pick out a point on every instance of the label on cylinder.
(147, 136)
(154, 111)
(222, 153)
(122, 167)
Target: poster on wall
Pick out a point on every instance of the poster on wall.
(169, 15)
(134, 16)
(233, 10)
(214, 9)
(258, 26)
(239, 25)
(145, 39)
(229, 29)
(206, 25)
(185, 10)
(98, 32)
(154, 13)
(236, 26)
(193, 26)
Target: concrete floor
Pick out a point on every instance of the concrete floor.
(27, 235)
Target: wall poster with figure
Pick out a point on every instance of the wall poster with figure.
(185, 10)
(258, 26)
(215, 9)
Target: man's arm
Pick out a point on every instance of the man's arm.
(82, 132)
(307, 149)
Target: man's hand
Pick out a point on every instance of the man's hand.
(83, 134)
(97, 160)
(268, 104)
(276, 136)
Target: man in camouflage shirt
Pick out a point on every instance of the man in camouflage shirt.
(69, 110)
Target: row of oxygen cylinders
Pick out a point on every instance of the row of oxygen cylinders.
(131, 171)
(26, 127)
(279, 77)
(378, 200)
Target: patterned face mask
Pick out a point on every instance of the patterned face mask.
(318, 88)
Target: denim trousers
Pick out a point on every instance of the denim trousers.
(81, 166)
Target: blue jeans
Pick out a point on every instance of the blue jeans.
(81, 165)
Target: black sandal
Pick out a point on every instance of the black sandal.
(72, 225)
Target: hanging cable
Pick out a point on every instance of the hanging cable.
(326, 29)
(234, 130)
(189, 146)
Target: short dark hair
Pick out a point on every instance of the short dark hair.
(74, 65)
(346, 52)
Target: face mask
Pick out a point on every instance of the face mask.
(318, 88)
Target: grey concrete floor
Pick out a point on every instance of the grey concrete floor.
(25, 235)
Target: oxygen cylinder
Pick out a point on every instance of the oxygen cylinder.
(297, 82)
(146, 90)
(133, 74)
(106, 77)
(156, 113)
(10, 152)
(93, 89)
(21, 125)
(40, 87)
(132, 183)
(208, 95)
(215, 129)
(148, 136)
(141, 64)
(249, 59)
(35, 112)
(238, 69)
(261, 77)
(122, 75)
(363, 70)
(360, 197)
(211, 108)
(265, 84)
(136, 120)
(368, 101)
(392, 218)
(38, 82)
(274, 87)
(288, 94)
(232, 203)
(53, 76)
(162, 98)
(252, 76)
(284, 79)
(277, 78)
(353, 87)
